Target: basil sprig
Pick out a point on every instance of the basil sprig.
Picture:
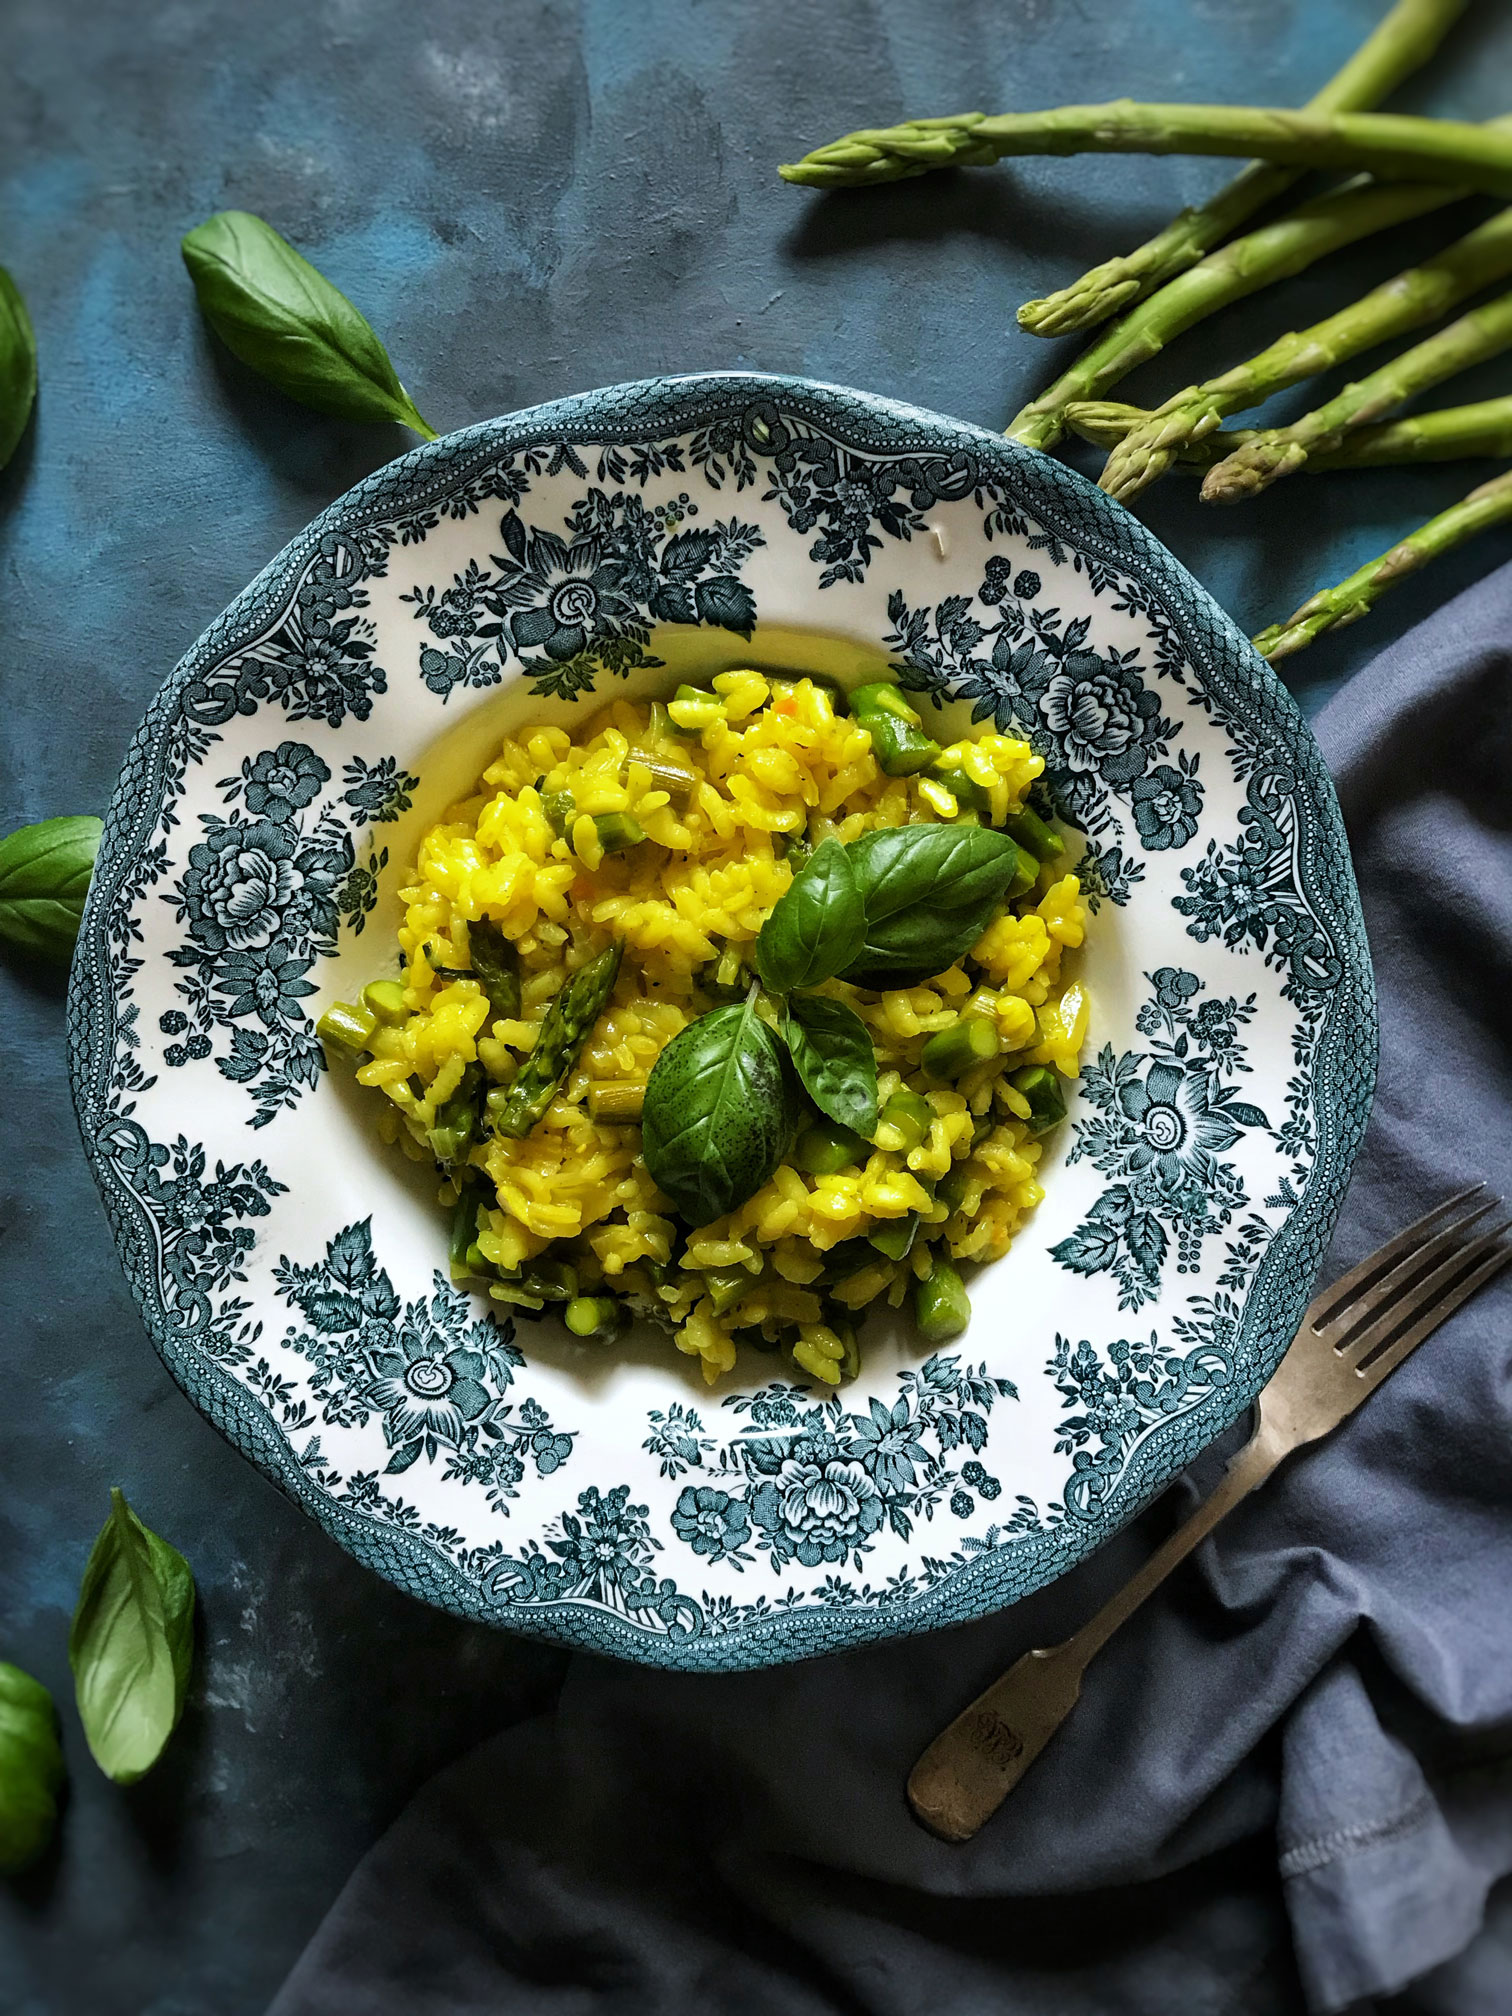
(929, 893)
(894, 907)
(132, 1644)
(280, 315)
(832, 1053)
(18, 367)
(44, 875)
(717, 1118)
(31, 1769)
(817, 927)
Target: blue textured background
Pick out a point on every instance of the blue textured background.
(526, 198)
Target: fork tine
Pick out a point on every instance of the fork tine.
(1373, 1370)
(1393, 1284)
(1343, 1290)
(1423, 1295)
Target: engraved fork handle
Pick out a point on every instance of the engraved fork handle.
(971, 1767)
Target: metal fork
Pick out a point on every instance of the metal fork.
(1352, 1335)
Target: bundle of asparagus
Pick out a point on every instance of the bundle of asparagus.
(1400, 168)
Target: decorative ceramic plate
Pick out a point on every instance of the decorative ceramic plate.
(292, 1271)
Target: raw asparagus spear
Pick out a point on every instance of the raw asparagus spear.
(1274, 252)
(1386, 143)
(562, 1034)
(1349, 600)
(1451, 434)
(1402, 42)
(1414, 297)
(1281, 451)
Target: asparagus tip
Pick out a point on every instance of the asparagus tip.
(1092, 300)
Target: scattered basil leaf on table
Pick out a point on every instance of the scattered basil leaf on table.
(718, 1116)
(280, 315)
(132, 1644)
(44, 875)
(831, 1048)
(18, 367)
(31, 1769)
(929, 893)
(817, 927)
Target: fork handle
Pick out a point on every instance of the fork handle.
(971, 1767)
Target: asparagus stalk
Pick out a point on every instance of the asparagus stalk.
(1274, 252)
(1452, 434)
(1349, 600)
(1402, 42)
(1389, 144)
(1418, 295)
(1280, 451)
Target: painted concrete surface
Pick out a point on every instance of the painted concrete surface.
(526, 198)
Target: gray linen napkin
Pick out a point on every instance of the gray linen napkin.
(1289, 1781)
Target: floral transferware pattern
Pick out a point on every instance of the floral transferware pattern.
(540, 563)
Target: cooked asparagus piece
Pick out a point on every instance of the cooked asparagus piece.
(907, 1115)
(385, 999)
(1402, 42)
(1349, 600)
(617, 1104)
(826, 1147)
(1281, 451)
(894, 1239)
(953, 1051)
(1032, 834)
(726, 1285)
(942, 1308)
(1408, 300)
(1449, 434)
(349, 1025)
(692, 709)
(617, 830)
(1274, 252)
(1389, 144)
(496, 967)
(456, 1123)
(464, 1232)
(1041, 1086)
(669, 773)
(899, 744)
(563, 1032)
(597, 1319)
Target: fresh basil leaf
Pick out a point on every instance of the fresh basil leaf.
(31, 1769)
(717, 1117)
(132, 1644)
(44, 876)
(277, 313)
(18, 367)
(816, 928)
(832, 1050)
(929, 893)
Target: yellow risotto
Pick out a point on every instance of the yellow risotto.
(605, 891)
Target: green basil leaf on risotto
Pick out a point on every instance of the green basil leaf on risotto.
(44, 874)
(280, 315)
(832, 1050)
(132, 1644)
(817, 927)
(929, 894)
(717, 1117)
(31, 1769)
